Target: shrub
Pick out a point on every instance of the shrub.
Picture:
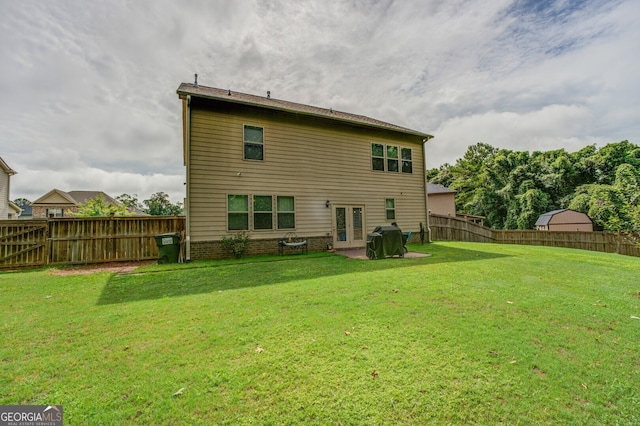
(236, 244)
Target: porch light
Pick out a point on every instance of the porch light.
(327, 204)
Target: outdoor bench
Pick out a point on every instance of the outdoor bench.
(293, 242)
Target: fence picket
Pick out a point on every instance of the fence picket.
(29, 243)
(448, 228)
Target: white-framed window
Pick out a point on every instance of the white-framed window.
(377, 156)
(390, 207)
(237, 212)
(253, 143)
(407, 161)
(57, 212)
(286, 212)
(260, 208)
(262, 212)
(391, 158)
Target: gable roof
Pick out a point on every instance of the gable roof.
(81, 197)
(8, 170)
(292, 107)
(13, 206)
(434, 188)
(75, 197)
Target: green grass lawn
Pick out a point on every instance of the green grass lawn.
(476, 333)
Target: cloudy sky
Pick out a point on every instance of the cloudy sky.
(88, 88)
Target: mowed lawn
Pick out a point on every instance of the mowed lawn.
(475, 333)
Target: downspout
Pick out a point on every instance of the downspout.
(426, 195)
(187, 161)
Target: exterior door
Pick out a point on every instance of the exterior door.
(348, 227)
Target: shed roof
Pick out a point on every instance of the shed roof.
(546, 218)
(292, 107)
(434, 188)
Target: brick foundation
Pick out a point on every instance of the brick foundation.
(213, 249)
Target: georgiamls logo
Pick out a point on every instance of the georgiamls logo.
(51, 407)
(30, 415)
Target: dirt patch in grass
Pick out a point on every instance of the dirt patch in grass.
(116, 267)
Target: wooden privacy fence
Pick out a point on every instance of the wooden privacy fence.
(447, 228)
(28, 243)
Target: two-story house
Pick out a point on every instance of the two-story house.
(7, 208)
(57, 203)
(266, 167)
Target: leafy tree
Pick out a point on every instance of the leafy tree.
(98, 207)
(160, 205)
(22, 202)
(512, 188)
(130, 201)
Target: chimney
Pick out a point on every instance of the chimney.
(268, 94)
(195, 84)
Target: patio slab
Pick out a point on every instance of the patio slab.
(362, 254)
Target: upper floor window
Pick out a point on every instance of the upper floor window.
(407, 162)
(377, 156)
(391, 158)
(253, 143)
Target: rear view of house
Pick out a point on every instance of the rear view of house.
(268, 167)
(564, 220)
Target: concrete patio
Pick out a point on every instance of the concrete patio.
(362, 254)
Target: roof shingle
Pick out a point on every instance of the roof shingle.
(280, 105)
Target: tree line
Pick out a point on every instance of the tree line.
(511, 189)
(156, 205)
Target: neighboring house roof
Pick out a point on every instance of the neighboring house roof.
(8, 170)
(292, 107)
(83, 196)
(15, 207)
(434, 188)
(545, 218)
(26, 210)
(56, 193)
(73, 197)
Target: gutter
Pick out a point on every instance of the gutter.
(187, 160)
(426, 194)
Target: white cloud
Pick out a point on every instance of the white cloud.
(88, 89)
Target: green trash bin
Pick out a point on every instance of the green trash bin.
(168, 247)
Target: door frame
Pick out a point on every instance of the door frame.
(351, 241)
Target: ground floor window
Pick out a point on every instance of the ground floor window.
(286, 212)
(238, 212)
(261, 210)
(390, 206)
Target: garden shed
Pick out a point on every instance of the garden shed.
(564, 220)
